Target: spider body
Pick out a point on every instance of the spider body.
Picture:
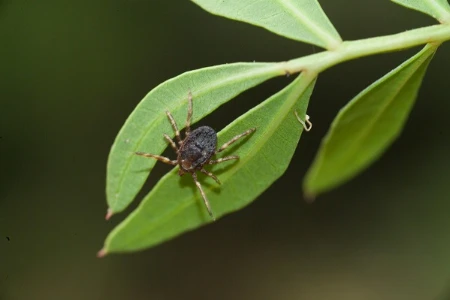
(196, 150)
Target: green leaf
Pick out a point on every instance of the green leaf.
(175, 205)
(367, 125)
(144, 128)
(438, 9)
(302, 20)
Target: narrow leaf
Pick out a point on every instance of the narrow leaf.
(302, 20)
(367, 125)
(175, 205)
(144, 128)
(438, 9)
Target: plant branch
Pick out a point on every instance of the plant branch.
(349, 50)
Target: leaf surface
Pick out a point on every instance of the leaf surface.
(438, 9)
(301, 20)
(367, 125)
(144, 128)
(175, 205)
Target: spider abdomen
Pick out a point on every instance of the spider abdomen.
(197, 148)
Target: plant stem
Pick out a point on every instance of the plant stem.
(349, 50)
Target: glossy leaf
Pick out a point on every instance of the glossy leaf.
(367, 125)
(144, 128)
(438, 9)
(302, 20)
(175, 205)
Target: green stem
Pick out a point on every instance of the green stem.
(349, 50)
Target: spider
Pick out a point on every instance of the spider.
(196, 150)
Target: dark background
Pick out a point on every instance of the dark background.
(71, 73)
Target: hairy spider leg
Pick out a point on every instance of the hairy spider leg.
(210, 175)
(189, 114)
(158, 157)
(171, 142)
(199, 186)
(227, 144)
(218, 161)
(174, 126)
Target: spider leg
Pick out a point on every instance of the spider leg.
(217, 161)
(174, 126)
(189, 114)
(171, 142)
(158, 157)
(224, 146)
(210, 175)
(199, 186)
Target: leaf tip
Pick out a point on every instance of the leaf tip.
(102, 253)
(109, 214)
(309, 196)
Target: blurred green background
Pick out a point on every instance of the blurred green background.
(72, 71)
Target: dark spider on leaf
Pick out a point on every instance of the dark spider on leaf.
(196, 150)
